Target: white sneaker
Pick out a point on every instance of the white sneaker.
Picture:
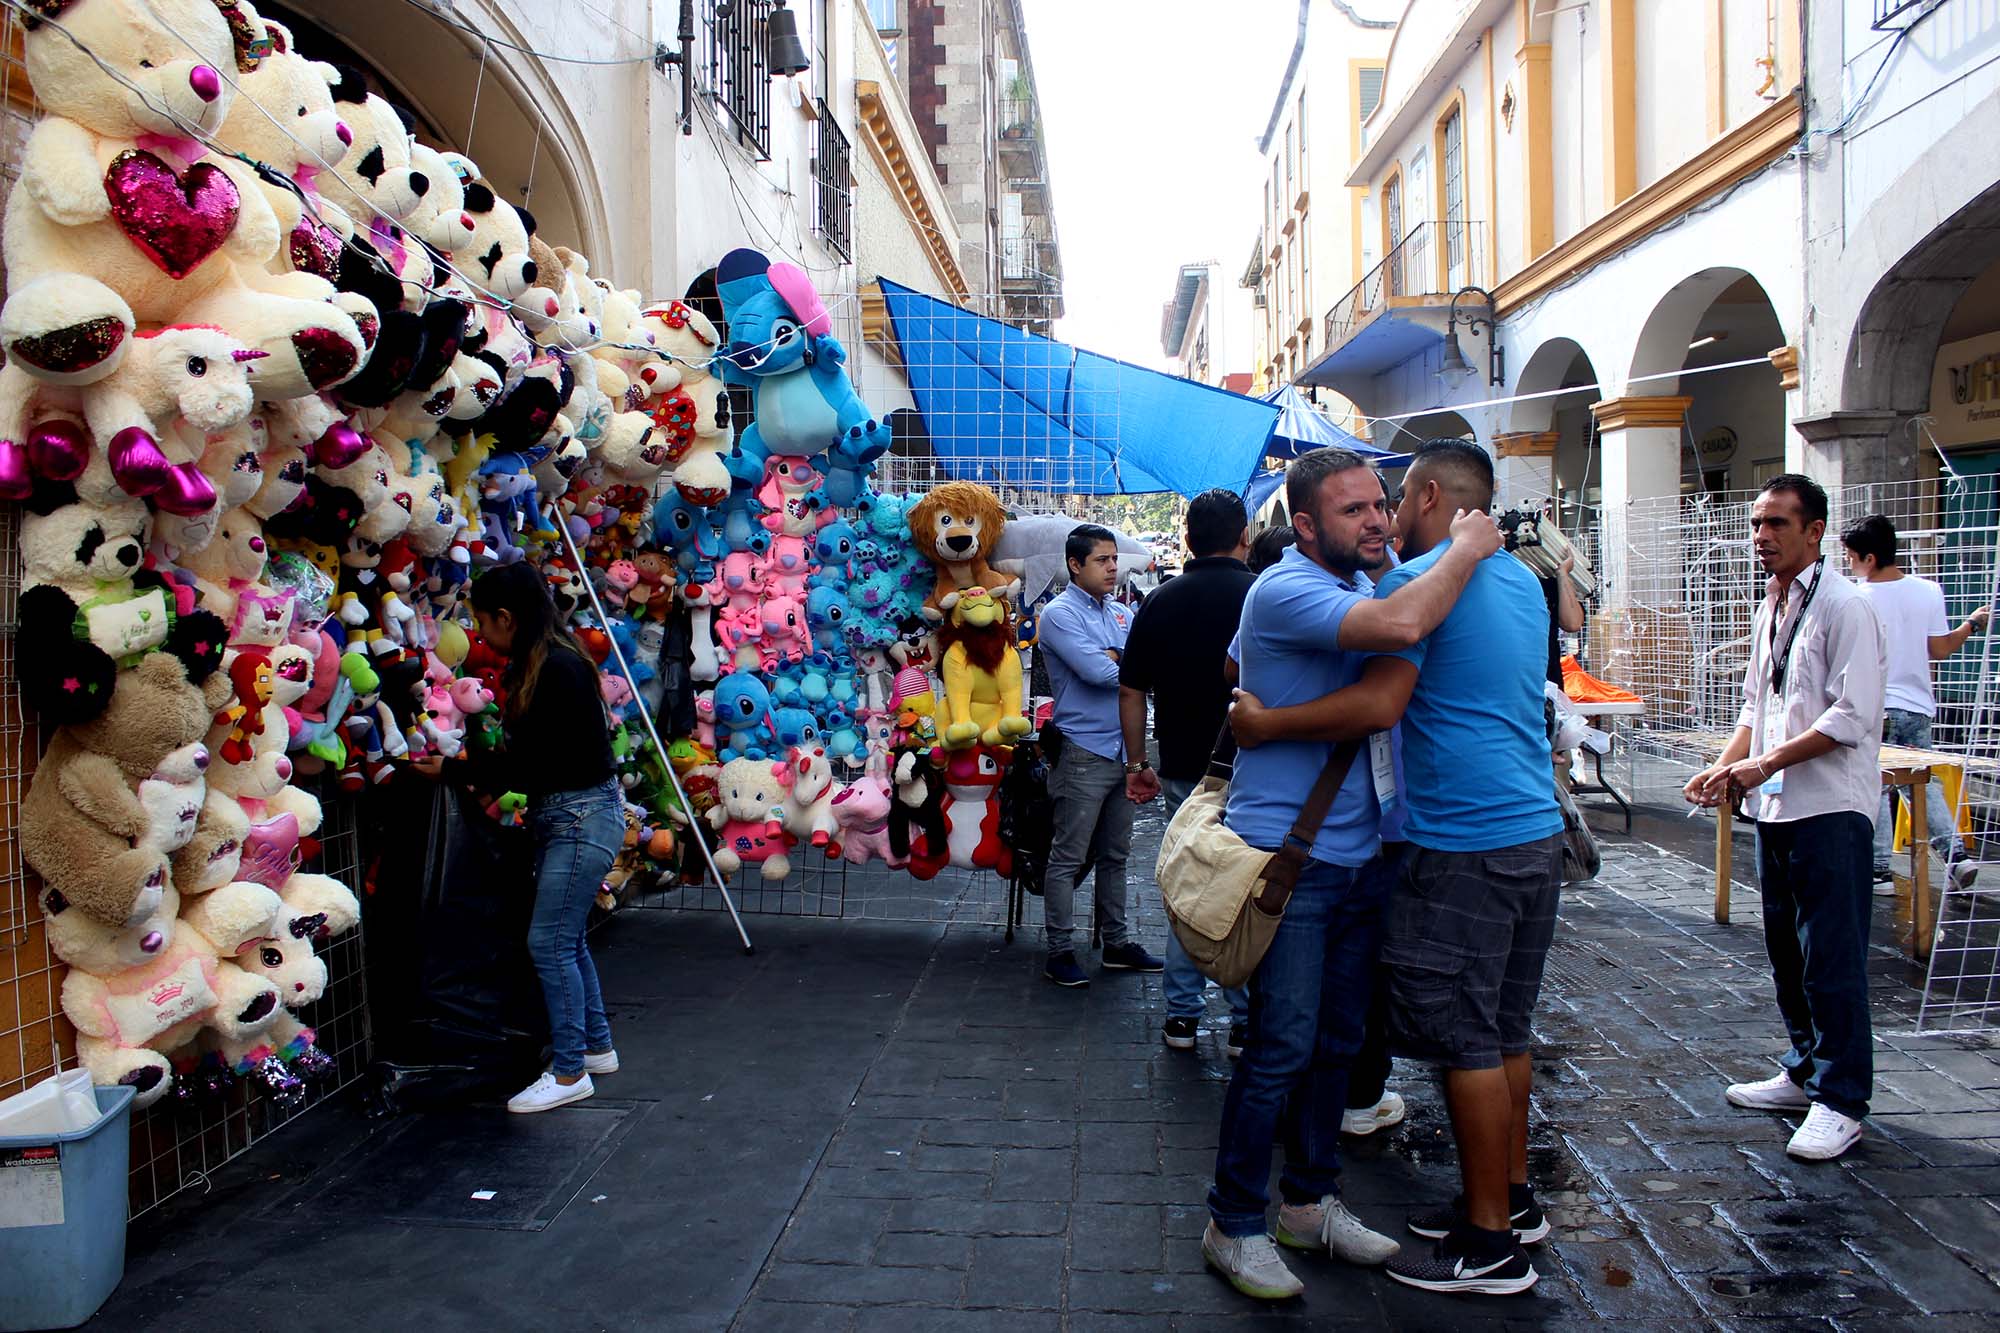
(1367, 1119)
(545, 1094)
(1824, 1135)
(596, 1062)
(1251, 1264)
(1329, 1226)
(1962, 873)
(1776, 1093)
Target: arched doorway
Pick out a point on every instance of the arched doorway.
(1550, 445)
(1402, 437)
(500, 111)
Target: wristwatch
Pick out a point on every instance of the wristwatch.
(1139, 767)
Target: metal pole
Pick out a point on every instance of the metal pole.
(659, 746)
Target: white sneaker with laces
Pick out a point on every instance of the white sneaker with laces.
(1367, 1119)
(600, 1062)
(1327, 1225)
(1824, 1135)
(1776, 1093)
(545, 1094)
(1251, 1264)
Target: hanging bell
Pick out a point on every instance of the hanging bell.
(786, 54)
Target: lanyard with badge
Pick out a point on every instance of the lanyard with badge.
(1781, 660)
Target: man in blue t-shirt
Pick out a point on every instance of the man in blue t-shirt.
(1307, 627)
(1467, 930)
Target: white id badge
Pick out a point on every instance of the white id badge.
(1773, 737)
(1382, 768)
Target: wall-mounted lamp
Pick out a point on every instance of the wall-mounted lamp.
(1454, 362)
(784, 53)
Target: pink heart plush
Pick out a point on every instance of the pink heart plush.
(178, 218)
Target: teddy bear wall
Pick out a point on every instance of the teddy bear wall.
(279, 382)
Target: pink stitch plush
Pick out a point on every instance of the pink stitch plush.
(862, 809)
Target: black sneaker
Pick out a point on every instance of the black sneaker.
(1061, 968)
(1459, 1263)
(1239, 1037)
(1130, 957)
(1178, 1033)
(1530, 1225)
(1883, 875)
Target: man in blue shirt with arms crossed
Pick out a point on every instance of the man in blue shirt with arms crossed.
(1306, 630)
(1468, 927)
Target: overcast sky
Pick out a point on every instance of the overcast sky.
(1151, 112)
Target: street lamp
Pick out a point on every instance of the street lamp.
(1454, 362)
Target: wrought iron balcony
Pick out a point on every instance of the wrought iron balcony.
(833, 183)
(739, 76)
(1434, 260)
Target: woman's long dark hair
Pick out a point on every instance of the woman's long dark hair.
(522, 591)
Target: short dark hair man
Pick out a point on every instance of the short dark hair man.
(1307, 626)
(1805, 751)
(1915, 633)
(1176, 653)
(1083, 630)
(1467, 929)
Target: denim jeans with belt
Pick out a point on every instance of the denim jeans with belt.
(1817, 907)
(1902, 727)
(577, 836)
(1308, 1005)
(1091, 813)
(1184, 984)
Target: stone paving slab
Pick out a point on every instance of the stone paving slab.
(880, 1127)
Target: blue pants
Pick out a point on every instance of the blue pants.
(1901, 727)
(1184, 983)
(1817, 905)
(577, 835)
(1308, 1007)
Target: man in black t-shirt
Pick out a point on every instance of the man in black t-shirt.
(1175, 652)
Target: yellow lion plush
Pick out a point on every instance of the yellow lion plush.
(982, 673)
(956, 527)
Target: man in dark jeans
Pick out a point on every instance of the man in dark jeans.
(1805, 756)
(1467, 929)
(1176, 652)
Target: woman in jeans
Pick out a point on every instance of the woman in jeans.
(558, 754)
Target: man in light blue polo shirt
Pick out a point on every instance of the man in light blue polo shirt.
(1307, 627)
(1083, 635)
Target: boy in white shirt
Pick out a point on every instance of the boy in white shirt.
(1916, 633)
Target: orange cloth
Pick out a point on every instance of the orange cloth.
(1584, 688)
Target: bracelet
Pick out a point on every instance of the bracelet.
(1139, 767)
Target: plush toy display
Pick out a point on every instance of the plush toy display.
(956, 527)
(982, 673)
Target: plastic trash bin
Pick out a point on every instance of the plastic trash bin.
(62, 1218)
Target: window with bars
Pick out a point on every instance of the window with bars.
(833, 184)
(1305, 163)
(1392, 227)
(738, 68)
(1452, 158)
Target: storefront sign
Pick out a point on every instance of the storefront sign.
(1965, 392)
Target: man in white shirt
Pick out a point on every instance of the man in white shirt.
(1917, 633)
(1805, 756)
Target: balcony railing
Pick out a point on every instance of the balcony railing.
(1030, 258)
(833, 183)
(1017, 118)
(1435, 259)
(738, 76)
(1892, 14)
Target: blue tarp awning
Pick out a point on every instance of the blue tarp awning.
(1262, 487)
(1302, 428)
(1003, 406)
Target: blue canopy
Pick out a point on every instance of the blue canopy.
(1004, 406)
(1302, 428)
(1262, 487)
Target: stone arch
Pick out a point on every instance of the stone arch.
(1548, 446)
(526, 137)
(1662, 347)
(1553, 366)
(1441, 423)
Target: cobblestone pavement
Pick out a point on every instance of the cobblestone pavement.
(875, 1127)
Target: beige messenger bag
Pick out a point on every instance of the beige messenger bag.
(1225, 898)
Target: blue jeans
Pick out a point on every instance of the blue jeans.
(1817, 906)
(1308, 1008)
(577, 835)
(1900, 727)
(1185, 985)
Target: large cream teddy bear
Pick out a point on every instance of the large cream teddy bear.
(138, 991)
(687, 401)
(119, 217)
(85, 828)
(283, 115)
